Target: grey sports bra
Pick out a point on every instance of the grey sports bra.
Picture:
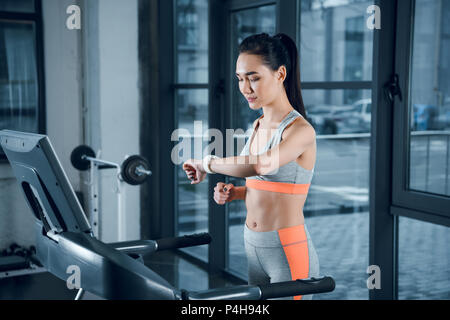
(290, 178)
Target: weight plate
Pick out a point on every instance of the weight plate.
(129, 173)
(76, 157)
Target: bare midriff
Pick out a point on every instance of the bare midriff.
(268, 211)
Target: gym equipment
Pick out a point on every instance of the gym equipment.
(64, 238)
(17, 261)
(134, 171)
(79, 156)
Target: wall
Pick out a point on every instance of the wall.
(63, 105)
(91, 81)
(110, 46)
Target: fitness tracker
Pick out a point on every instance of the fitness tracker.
(207, 162)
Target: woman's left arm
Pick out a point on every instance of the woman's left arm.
(296, 141)
(240, 167)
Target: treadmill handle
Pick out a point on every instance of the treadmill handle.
(297, 287)
(191, 240)
(263, 292)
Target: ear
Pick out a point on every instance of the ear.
(281, 73)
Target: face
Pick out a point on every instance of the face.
(260, 85)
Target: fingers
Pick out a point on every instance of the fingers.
(222, 192)
(218, 199)
(187, 166)
(227, 188)
(222, 187)
(191, 174)
(194, 178)
(219, 187)
(190, 171)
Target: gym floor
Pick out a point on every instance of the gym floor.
(171, 266)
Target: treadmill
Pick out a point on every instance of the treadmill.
(65, 241)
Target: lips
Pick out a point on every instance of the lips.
(251, 99)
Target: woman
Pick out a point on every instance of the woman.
(277, 161)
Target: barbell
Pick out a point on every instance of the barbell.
(134, 170)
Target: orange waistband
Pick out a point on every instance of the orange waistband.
(280, 187)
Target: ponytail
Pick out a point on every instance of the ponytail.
(292, 82)
(277, 51)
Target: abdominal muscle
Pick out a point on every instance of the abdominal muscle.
(268, 211)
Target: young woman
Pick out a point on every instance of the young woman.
(277, 162)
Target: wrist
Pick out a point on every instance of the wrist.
(236, 193)
(206, 163)
(200, 166)
(232, 195)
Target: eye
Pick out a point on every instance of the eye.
(254, 79)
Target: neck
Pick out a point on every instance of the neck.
(277, 110)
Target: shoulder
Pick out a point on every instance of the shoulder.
(300, 129)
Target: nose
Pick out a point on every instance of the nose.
(245, 87)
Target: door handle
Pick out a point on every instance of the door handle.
(392, 89)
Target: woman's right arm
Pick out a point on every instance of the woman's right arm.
(239, 193)
(224, 193)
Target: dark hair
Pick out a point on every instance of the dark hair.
(277, 51)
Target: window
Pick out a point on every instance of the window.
(21, 104)
(430, 100)
(192, 41)
(336, 72)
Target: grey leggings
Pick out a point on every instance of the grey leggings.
(280, 255)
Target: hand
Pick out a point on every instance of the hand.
(194, 171)
(224, 193)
